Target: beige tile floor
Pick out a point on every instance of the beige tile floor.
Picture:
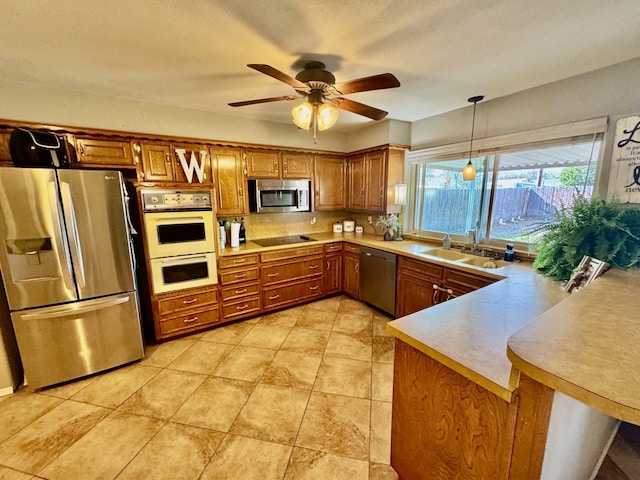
(299, 394)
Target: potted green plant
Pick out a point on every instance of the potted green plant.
(389, 224)
(596, 228)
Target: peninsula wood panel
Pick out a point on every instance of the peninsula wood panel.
(444, 426)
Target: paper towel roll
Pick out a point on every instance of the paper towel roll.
(235, 235)
(223, 237)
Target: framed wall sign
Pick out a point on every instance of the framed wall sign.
(624, 180)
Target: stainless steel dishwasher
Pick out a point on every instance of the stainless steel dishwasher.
(378, 278)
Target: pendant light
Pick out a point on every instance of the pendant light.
(469, 172)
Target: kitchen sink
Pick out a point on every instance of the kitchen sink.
(484, 262)
(446, 254)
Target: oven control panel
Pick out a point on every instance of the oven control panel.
(154, 200)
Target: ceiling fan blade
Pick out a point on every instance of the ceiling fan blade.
(359, 108)
(375, 82)
(278, 75)
(262, 100)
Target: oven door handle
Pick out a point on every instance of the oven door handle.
(190, 219)
(183, 260)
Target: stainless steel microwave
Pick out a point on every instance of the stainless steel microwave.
(276, 196)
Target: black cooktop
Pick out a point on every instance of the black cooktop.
(273, 242)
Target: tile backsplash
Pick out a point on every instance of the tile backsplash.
(266, 225)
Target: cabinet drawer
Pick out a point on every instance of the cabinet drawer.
(292, 293)
(178, 303)
(333, 247)
(238, 260)
(465, 282)
(291, 271)
(351, 248)
(291, 253)
(190, 320)
(421, 268)
(240, 290)
(247, 306)
(227, 278)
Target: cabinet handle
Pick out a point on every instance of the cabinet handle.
(315, 287)
(190, 320)
(328, 266)
(167, 158)
(285, 167)
(272, 274)
(240, 191)
(189, 302)
(82, 149)
(239, 260)
(242, 307)
(362, 193)
(313, 267)
(275, 165)
(241, 275)
(137, 148)
(317, 193)
(357, 266)
(242, 290)
(274, 297)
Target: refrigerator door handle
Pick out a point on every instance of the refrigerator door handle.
(72, 234)
(60, 237)
(65, 311)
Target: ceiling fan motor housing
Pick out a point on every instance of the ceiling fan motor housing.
(316, 72)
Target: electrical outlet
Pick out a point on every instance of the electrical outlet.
(313, 220)
(369, 220)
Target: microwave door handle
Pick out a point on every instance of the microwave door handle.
(60, 237)
(299, 197)
(72, 234)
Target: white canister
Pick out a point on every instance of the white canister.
(349, 225)
(337, 227)
(223, 237)
(359, 229)
(235, 234)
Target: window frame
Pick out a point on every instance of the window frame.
(578, 132)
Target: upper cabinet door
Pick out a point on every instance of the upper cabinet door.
(263, 164)
(330, 183)
(375, 181)
(231, 181)
(104, 153)
(157, 159)
(356, 183)
(297, 165)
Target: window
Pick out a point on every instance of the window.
(517, 188)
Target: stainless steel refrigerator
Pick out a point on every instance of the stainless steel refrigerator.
(67, 265)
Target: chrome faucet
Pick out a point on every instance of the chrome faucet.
(471, 240)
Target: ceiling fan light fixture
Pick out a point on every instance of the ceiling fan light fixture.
(303, 115)
(327, 116)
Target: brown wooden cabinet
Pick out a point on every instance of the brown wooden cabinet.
(291, 276)
(333, 268)
(240, 286)
(414, 285)
(330, 183)
(230, 177)
(297, 165)
(185, 311)
(161, 162)
(263, 163)
(105, 153)
(421, 284)
(351, 264)
(274, 164)
(367, 178)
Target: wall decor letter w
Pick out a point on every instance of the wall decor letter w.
(193, 165)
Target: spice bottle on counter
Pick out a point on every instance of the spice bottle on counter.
(243, 232)
(446, 242)
(509, 256)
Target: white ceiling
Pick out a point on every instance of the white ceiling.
(193, 53)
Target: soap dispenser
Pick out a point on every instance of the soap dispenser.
(446, 242)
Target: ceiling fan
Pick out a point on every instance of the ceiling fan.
(318, 84)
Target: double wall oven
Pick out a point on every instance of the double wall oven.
(179, 226)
